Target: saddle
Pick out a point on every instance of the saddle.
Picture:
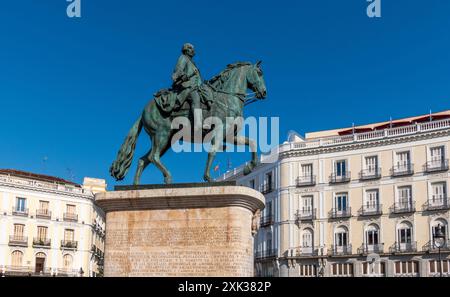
(171, 100)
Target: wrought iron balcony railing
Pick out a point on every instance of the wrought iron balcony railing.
(72, 217)
(305, 214)
(69, 244)
(369, 174)
(436, 166)
(437, 204)
(18, 240)
(405, 207)
(366, 249)
(267, 220)
(336, 213)
(407, 247)
(402, 170)
(43, 214)
(270, 253)
(23, 212)
(431, 247)
(341, 178)
(267, 188)
(338, 250)
(371, 210)
(42, 242)
(306, 251)
(305, 181)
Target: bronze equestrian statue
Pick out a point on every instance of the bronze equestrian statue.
(224, 96)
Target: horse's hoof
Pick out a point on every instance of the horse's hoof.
(167, 180)
(247, 170)
(206, 178)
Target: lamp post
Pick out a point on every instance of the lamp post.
(439, 242)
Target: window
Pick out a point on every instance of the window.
(371, 164)
(251, 184)
(434, 268)
(374, 268)
(372, 235)
(43, 207)
(308, 270)
(405, 233)
(307, 204)
(70, 209)
(307, 170)
(437, 156)
(407, 268)
(372, 199)
(18, 231)
(404, 197)
(21, 204)
(340, 168)
(67, 261)
(341, 202)
(68, 235)
(403, 160)
(307, 238)
(438, 193)
(42, 233)
(269, 208)
(341, 236)
(342, 269)
(435, 225)
(16, 258)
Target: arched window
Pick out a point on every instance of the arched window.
(16, 258)
(434, 227)
(307, 238)
(40, 262)
(372, 235)
(405, 232)
(67, 261)
(341, 236)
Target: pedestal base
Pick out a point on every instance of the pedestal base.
(180, 231)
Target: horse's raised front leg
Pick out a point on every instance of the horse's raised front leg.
(243, 140)
(211, 155)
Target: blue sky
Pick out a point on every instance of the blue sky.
(70, 89)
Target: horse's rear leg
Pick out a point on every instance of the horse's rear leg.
(211, 155)
(143, 163)
(160, 146)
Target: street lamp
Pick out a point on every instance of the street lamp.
(439, 242)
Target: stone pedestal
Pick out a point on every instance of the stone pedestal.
(180, 230)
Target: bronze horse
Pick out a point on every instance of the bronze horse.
(229, 88)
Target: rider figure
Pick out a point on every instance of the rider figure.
(187, 80)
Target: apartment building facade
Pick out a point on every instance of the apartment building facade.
(360, 201)
(50, 226)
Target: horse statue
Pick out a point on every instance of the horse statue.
(229, 91)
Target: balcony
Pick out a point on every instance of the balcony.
(371, 210)
(369, 174)
(340, 213)
(70, 217)
(340, 250)
(18, 240)
(267, 188)
(266, 254)
(431, 248)
(408, 247)
(43, 214)
(436, 166)
(341, 178)
(366, 249)
(22, 212)
(399, 208)
(69, 244)
(305, 214)
(42, 242)
(267, 220)
(437, 204)
(67, 272)
(402, 170)
(305, 181)
(306, 251)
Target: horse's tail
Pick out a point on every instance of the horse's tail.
(120, 166)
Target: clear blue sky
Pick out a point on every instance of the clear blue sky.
(70, 89)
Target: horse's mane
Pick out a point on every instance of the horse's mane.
(218, 80)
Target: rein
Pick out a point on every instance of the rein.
(245, 98)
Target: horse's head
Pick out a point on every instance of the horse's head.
(255, 81)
